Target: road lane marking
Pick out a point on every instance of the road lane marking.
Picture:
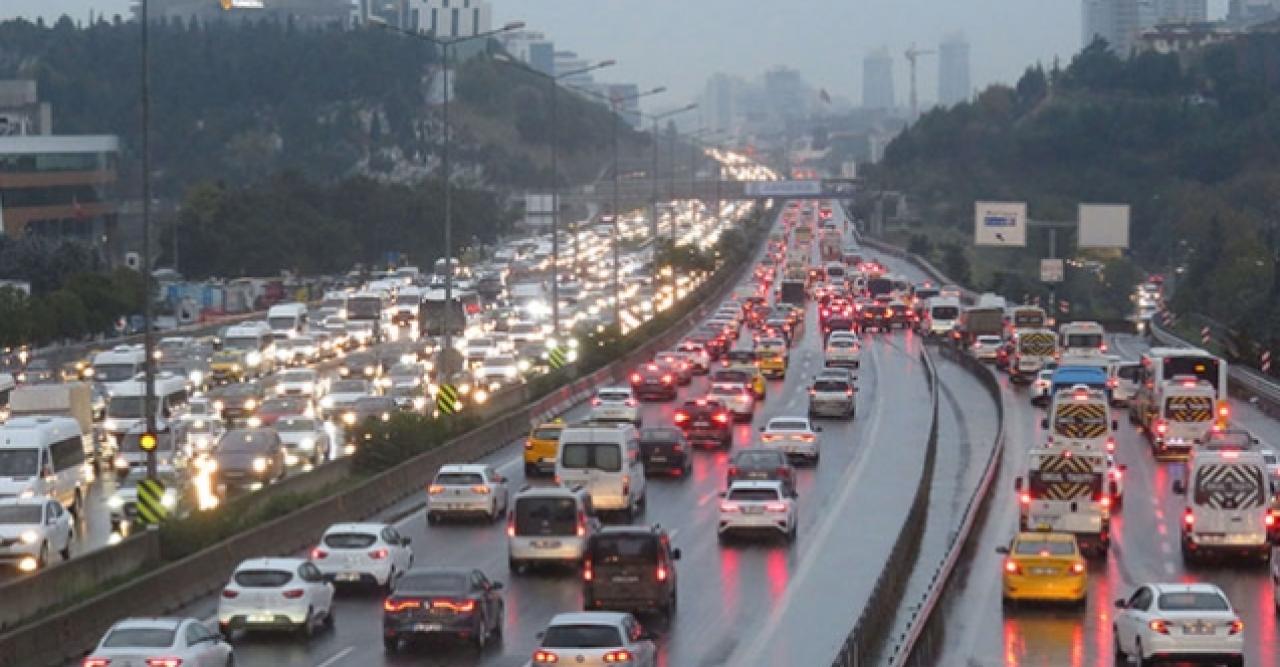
(337, 656)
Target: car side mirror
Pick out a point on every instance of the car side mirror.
(1002, 550)
(1017, 483)
(675, 554)
(1179, 487)
(497, 585)
(1044, 422)
(1115, 424)
(1121, 604)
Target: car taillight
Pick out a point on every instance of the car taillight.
(1077, 568)
(618, 656)
(1111, 445)
(729, 507)
(378, 554)
(1025, 498)
(511, 525)
(806, 437)
(812, 391)
(396, 606)
(1159, 625)
(319, 554)
(661, 574)
(1011, 567)
(681, 417)
(230, 594)
(775, 507)
(1270, 520)
(1235, 627)
(545, 657)
(635, 378)
(582, 525)
(456, 606)
(480, 489)
(528, 444)
(588, 573)
(666, 379)
(96, 662)
(293, 593)
(1162, 427)
(1188, 518)
(595, 402)
(721, 418)
(1106, 501)
(435, 489)
(733, 471)
(630, 402)
(164, 662)
(1112, 383)
(1224, 410)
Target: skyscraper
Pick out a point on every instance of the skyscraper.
(877, 80)
(1120, 21)
(953, 70)
(718, 101)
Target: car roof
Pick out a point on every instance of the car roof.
(1041, 536)
(771, 484)
(1198, 587)
(159, 623)
(356, 528)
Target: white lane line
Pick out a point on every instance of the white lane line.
(1164, 546)
(337, 656)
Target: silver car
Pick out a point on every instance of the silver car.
(549, 525)
(737, 397)
(833, 396)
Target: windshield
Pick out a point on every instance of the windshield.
(623, 549)
(1202, 368)
(262, 578)
(440, 582)
(349, 540)
(126, 407)
(753, 495)
(349, 387)
(114, 372)
(1088, 341)
(282, 323)
(25, 514)
(1193, 601)
(295, 424)
(1034, 547)
(581, 636)
(459, 478)
(297, 376)
(546, 434)
(242, 441)
(364, 308)
(759, 458)
(779, 425)
(830, 386)
(582, 455)
(247, 343)
(944, 312)
(140, 638)
(613, 396)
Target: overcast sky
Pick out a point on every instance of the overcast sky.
(678, 43)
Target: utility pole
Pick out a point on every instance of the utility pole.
(148, 340)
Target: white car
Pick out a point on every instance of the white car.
(477, 349)
(615, 404)
(499, 369)
(985, 348)
(697, 354)
(796, 437)
(344, 394)
(758, 506)
(1041, 386)
(737, 397)
(31, 529)
(1178, 622)
(161, 641)
(298, 382)
(366, 553)
(595, 639)
(276, 594)
(202, 434)
(305, 440)
(467, 489)
(843, 349)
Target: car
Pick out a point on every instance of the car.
(248, 457)
(748, 374)
(272, 409)
(1178, 622)
(434, 601)
(237, 401)
(772, 352)
(160, 641)
(343, 393)
(630, 568)
(363, 553)
(756, 464)
(31, 530)
(739, 357)
(304, 438)
(377, 408)
(735, 396)
(831, 395)
(985, 348)
(706, 421)
(498, 370)
(297, 351)
(665, 450)
(286, 594)
(359, 365)
(1005, 353)
(595, 639)
(540, 448)
(549, 524)
(696, 353)
(467, 488)
(873, 317)
(203, 433)
(677, 363)
(794, 436)
(297, 382)
(615, 404)
(1045, 567)
(652, 380)
(478, 349)
(843, 349)
(900, 315)
(756, 506)
(403, 375)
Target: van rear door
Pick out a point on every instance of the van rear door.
(1228, 502)
(598, 467)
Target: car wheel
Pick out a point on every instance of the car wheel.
(480, 636)
(1116, 650)
(628, 514)
(308, 627)
(670, 609)
(493, 510)
(391, 644)
(76, 504)
(433, 518)
(530, 470)
(329, 620)
(1138, 658)
(65, 551)
(231, 660)
(499, 627)
(515, 567)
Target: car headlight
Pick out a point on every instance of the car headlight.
(27, 493)
(30, 537)
(349, 418)
(280, 389)
(121, 462)
(250, 404)
(368, 370)
(259, 464)
(307, 443)
(219, 406)
(510, 373)
(115, 502)
(169, 499)
(419, 403)
(326, 402)
(111, 425)
(235, 368)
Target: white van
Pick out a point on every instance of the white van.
(940, 316)
(124, 408)
(43, 457)
(119, 364)
(254, 343)
(549, 525)
(1227, 492)
(287, 320)
(7, 385)
(605, 460)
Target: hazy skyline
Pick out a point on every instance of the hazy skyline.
(679, 43)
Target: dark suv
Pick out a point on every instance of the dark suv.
(761, 464)
(706, 422)
(654, 381)
(630, 568)
(665, 450)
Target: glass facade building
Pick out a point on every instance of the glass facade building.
(59, 185)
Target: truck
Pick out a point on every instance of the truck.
(832, 245)
(792, 291)
(70, 399)
(1035, 348)
(980, 321)
(1028, 317)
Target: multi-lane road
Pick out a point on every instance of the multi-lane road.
(764, 603)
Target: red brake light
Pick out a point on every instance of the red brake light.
(1224, 410)
(1235, 627)
(775, 507)
(635, 378)
(319, 554)
(164, 662)
(480, 489)
(733, 471)
(1077, 568)
(456, 606)
(587, 573)
(395, 606)
(666, 379)
(528, 444)
(435, 489)
(1188, 518)
(230, 594)
(661, 573)
(681, 417)
(545, 657)
(721, 418)
(293, 593)
(622, 655)
(1011, 567)
(511, 525)
(378, 554)
(729, 507)
(1111, 448)
(96, 662)
(1270, 520)
(1162, 427)
(1025, 498)
(1106, 501)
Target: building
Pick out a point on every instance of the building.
(568, 61)
(1121, 22)
(877, 80)
(21, 111)
(450, 18)
(59, 186)
(1247, 13)
(1183, 37)
(953, 70)
(718, 101)
(532, 48)
(302, 12)
(789, 97)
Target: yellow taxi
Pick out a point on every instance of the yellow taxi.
(540, 448)
(1044, 566)
(772, 353)
(757, 382)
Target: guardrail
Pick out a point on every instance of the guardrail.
(876, 620)
(70, 633)
(1245, 381)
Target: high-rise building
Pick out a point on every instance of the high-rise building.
(302, 12)
(877, 80)
(1119, 22)
(953, 70)
(531, 47)
(717, 101)
(786, 91)
(629, 104)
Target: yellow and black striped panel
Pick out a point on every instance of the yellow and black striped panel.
(150, 505)
(1037, 344)
(1080, 420)
(1067, 477)
(1189, 408)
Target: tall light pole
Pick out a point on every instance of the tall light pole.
(555, 176)
(653, 177)
(148, 341)
(694, 145)
(446, 47)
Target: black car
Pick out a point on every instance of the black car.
(841, 321)
(245, 457)
(875, 316)
(740, 357)
(359, 365)
(630, 568)
(237, 401)
(706, 422)
(653, 381)
(900, 315)
(666, 450)
(761, 464)
(459, 602)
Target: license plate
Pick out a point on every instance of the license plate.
(348, 576)
(1043, 571)
(1043, 522)
(749, 509)
(546, 544)
(427, 627)
(625, 580)
(651, 382)
(1197, 629)
(702, 424)
(261, 618)
(657, 459)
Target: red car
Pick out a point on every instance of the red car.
(273, 409)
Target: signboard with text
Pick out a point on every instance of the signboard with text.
(782, 188)
(1051, 271)
(1000, 224)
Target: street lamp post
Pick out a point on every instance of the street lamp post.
(615, 102)
(555, 178)
(653, 177)
(446, 46)
(148, 340)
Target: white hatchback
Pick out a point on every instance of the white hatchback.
(1192, 622)
(615, 404)
(737, 397)
(368, 553)
(461, 489)
(843, 349)
(758, 506)
(276, 594)
(793, 436)
(595, 639)
(31, 529)
(161, 641)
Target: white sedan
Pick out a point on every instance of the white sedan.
(276, 594)
(305, 440)
(758, 506)
(737, 397)
(297, 382)
(615, 404)
(794, 436)
(467, 488)
(843, 349)
(161, 641)
(985, 348)
(499, 370)
(369, 553)
(1178, 622)
(31, 529)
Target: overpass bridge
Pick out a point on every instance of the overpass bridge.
(640, 191)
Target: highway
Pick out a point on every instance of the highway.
(1145, 537)
(762, 603)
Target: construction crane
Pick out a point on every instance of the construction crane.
(912, 54)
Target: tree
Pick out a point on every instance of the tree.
(955, 264)
(15, 325)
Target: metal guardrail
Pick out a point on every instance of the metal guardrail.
(1246, 381)
(876, 620)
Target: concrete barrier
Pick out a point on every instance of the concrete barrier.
(29, 596)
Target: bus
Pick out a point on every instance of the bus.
(1161, 364)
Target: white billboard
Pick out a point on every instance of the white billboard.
(1000, 223)
(1104, 226)
(1052, 271)
(782, 188)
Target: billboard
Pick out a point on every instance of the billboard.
(1104, 226)
(782, 188)
(1000, 224)
(1051, 271)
